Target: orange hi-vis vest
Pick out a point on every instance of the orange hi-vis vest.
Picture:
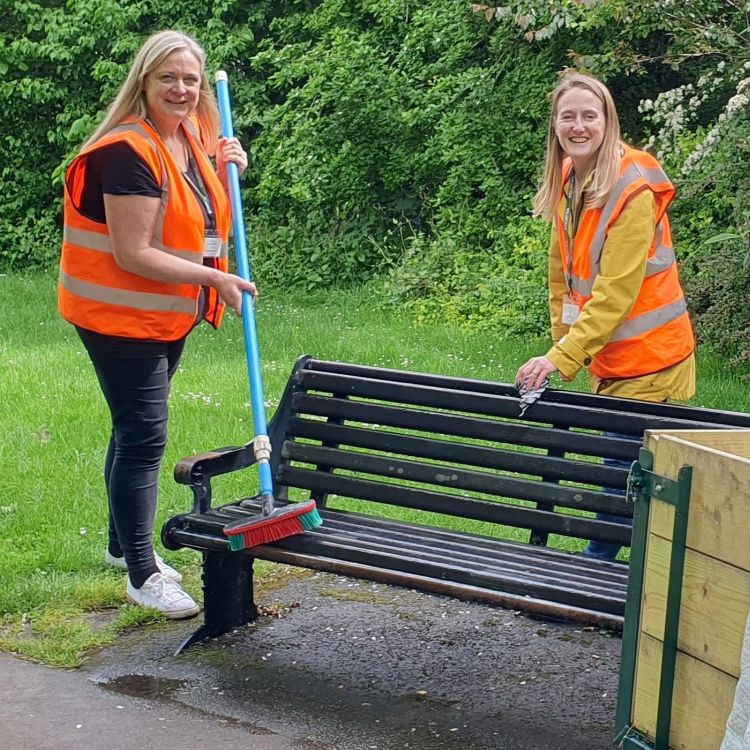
(657, 332)
(95, 293)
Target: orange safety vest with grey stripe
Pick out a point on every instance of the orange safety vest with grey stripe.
(95, 293)
(657, 332)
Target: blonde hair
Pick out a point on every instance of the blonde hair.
(607, 166)
(131, 102)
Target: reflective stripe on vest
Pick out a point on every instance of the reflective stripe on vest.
(128, 298)
(102, 243)
(650, 320)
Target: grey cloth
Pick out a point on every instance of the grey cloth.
(529, 397)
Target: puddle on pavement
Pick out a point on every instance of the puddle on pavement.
(166, 689)
(144, 686)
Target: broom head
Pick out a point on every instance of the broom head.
(282, 522)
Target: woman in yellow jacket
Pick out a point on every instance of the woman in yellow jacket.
(144, 260)
(616, 304)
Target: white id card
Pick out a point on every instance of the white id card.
(570, 311)
(211, 246)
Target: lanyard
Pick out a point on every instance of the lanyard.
(197, 186)
(200, 191)
(571, 215)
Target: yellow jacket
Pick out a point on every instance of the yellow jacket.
(623, 267)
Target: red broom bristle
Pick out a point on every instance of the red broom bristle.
(283, 522)
(271, 532)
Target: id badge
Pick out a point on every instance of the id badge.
(211, 245)
(570, 311)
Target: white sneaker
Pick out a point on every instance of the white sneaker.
(164, 595)
(167, 570)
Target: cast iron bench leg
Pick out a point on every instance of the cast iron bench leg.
(227, 595)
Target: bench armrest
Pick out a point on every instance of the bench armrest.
(196, 471)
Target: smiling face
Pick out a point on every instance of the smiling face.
(172, 89)
(580, 124)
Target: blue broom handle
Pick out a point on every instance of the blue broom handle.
(252, 350)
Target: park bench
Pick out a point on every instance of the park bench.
(370, 444)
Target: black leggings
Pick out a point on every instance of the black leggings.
(134, 377)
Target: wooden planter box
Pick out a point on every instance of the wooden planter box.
(712, 606)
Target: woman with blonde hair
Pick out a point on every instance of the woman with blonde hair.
(616, 304)
(144, 260)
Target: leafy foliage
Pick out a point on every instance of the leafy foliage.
(395, 140)
(62, 62)
(389, 121)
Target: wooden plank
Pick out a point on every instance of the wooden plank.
(719, 506)
(736, 442)
(703, 698)
(715, 605)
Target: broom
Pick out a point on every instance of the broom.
(273, 523)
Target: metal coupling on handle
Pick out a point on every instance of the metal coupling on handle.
(262, 448)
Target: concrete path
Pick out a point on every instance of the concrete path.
(50, 709)
(333, 664)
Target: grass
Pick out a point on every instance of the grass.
(53, 431)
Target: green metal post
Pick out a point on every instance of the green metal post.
(636, 495)
(674, 599)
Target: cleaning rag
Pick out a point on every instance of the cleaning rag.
(529, 397)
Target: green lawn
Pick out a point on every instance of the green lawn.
(53, 431)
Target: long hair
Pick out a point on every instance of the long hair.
(131, 102)
(607, 166)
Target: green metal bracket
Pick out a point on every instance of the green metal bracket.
(634, 741)
(643, 487)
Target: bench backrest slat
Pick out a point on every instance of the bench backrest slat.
(689, 415)
(452, 505)
(471, 428)
(460, 447)
(543, 466)
(626, 422)
(440, 475)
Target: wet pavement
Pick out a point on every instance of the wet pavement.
(332, 664)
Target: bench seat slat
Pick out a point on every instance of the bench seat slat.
(461, 479)
(485, 546)
(517, 584)
(453, 542)
(421, 550)
(562, 589)
(415, 541)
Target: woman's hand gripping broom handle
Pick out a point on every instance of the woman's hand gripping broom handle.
(261, 443)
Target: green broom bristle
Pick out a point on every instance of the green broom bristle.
(311, 520)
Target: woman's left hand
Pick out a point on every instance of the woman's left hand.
(230, 150)
(534, 372)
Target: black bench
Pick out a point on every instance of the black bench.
(370, 444)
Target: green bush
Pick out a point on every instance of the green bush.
(389, 140)
(61, 63)
(718, 288)
(502, 290)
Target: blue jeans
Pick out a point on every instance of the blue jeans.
(609, 550)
